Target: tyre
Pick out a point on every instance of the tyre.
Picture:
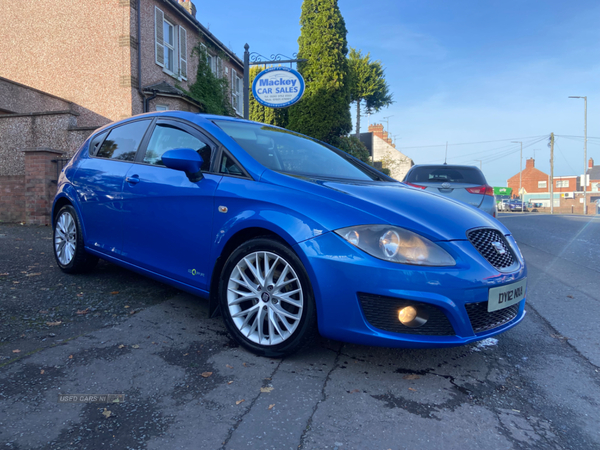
(69, 250)
(266, 299)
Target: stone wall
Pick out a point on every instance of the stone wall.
(54, 129)
(73, 50)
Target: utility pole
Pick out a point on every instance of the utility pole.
(520, 172)
(585, 163)
(480, 168)
(551, 173)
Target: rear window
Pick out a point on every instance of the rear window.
(445, 174)
(122, 142)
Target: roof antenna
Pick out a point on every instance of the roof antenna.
(446, 155)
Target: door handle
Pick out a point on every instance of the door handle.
(133, 179)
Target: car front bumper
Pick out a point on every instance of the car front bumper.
(340, 272)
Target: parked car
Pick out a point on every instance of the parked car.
(503, 205)
(464, 183)
(285, 235)
(516, 205)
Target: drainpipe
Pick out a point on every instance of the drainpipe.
(139, 54)
(147, 100)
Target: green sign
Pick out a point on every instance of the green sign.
(502, 190)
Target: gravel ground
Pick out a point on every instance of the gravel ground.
(188, 385)
(40, 305)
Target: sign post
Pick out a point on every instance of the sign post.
(253, 59)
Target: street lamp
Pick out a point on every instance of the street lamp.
(584, 151)
(520, 172)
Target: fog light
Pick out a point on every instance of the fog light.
(413, 317)
(407, 314)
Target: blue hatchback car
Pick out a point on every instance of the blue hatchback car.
(285, 235)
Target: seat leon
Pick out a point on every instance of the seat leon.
(285, 236)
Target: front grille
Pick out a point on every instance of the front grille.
(482, 320)
(382, 313)
(483, 240)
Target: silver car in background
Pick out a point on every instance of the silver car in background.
(464, 183)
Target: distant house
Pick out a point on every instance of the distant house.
(384, 152)
(568, 191)
(79, 65)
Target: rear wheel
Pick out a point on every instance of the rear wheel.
(69, 250)
(266, 299)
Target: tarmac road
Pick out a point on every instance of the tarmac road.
(188, 385)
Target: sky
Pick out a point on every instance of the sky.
(474, 74)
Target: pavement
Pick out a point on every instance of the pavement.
(188, 385)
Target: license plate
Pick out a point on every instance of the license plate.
(505, 296)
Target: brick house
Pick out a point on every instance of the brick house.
(568, 191)
(81, 65)
(384, 152)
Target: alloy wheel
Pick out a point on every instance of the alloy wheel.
(65, 238)
(265, 298)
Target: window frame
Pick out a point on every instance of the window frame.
(184, 126)
(562, 183)
(544, 183)
(172, 47)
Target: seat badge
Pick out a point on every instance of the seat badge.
(499, 248)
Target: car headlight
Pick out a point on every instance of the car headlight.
(396, 245)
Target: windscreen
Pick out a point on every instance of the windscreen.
(289, 152)
(446, 174)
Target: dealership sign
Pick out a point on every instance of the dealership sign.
(278, 87)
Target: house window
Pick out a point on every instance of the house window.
(562, 183)
(170, 45)
(236, 93)
(169, 42)
(542, 184)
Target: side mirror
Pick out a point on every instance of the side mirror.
(185, 159)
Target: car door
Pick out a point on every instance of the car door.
(99, 183)
(168, 223)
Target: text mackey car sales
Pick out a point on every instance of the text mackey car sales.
(280, 82)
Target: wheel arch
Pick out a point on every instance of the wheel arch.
(67, 196)
(232, 243)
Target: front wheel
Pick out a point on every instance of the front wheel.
(70, 255)
(266, 299)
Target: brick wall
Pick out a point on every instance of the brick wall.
(39, 188)
(12, 198)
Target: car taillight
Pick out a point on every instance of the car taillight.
(482, 190)
(415, 185)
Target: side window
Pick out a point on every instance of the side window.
(228, 166)
(167, 137)
(122, 142)
(95, 143)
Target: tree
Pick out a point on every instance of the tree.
(324, 111)
(367, 84)
(264, 114)
(210, 90)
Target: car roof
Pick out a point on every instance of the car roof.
(450, 166)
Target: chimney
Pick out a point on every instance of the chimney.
(530, 163)
(590, 163)
(377, 130)
(189, 6)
